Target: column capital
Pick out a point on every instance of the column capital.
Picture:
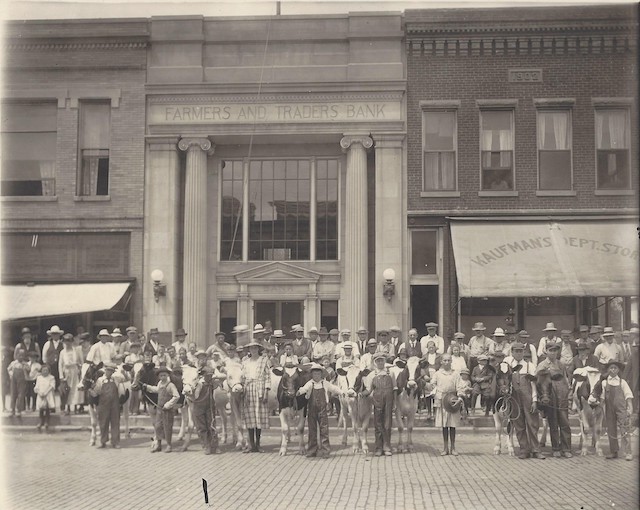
(388, 140)
(348, 140)
(193, 141)
(162, 142)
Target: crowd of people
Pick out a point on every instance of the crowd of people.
(456, 376)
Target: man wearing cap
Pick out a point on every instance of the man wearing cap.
(499, 343)
(51, 351)
(103, 351)
(608, 350)
(530, 351)
(384, 346)
(555, 396)
(345, 336)
(431, 335)
(26, 343)
(132, 336)
(203, 407)
(323, 347)
(366, 360)
(381, 385)
(583, 335)
(525, 395)
(395, 337)
(334, 336)
(618, 400)
(458, 338)
(412, 346)
(550, 337)
(167, 398)
(152, 343)
(362, 340)
(568, 348)
(478, 344)
(181, 340)
(348, 358)
(510, 334)
(301, 346)
(108, 389)
(313, 335)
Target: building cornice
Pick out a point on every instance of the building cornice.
(38, 45)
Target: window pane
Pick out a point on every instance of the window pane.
(329, 314)
(327, 210)
(439, 130)
(424, 245)
(555, 170)
(612, 129)
(29, 117)
(228, 318)
(613, 169)
(439, 171)
(554, 130)
(95, 125)
(496, 133)
(496, 179)
(231, 216)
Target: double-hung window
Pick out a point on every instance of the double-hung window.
(496, 146)
(29, 133)
(93, 146)
(554, 149)
(612, 148)
(439, 143)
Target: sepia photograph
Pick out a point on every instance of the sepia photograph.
(332, 255)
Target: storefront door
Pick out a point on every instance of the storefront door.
(279, 314)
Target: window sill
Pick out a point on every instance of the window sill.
(614, 192)
(440, 194)
(35, 198)
(556, 193)
(96, 198)
(497, 193)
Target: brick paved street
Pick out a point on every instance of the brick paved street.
(60, 470)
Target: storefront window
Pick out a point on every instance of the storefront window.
(29, 133)
(280, 209)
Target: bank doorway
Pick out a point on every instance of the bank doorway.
(279, 314)
(424, 306)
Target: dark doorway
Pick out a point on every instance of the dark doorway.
(424, 306)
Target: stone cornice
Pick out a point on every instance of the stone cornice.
(68, 45)
(274, 98)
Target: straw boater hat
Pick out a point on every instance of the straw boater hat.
(345, 332)
(347, 345)
(608, 331)
(131, 329)
(103, 332)
(478, 326)
(200, 352)
(431, 325)
(362, 329)
(258, 328)
(253, 343)
(372, 341)
(498, 332)
(278, 333)
(395, 328)
(55, 330)
(550, 327)
(297, 328)
(116, 333)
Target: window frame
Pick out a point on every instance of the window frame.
(604, 105)
(556, 109)
(244, 218)
(79, 195)
(39, 101)
(511, 110)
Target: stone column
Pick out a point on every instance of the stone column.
(390, 229)
(353, 296)
(194, 305)
(161, 231)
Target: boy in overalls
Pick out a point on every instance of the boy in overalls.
(618, 407)
(382, 385)
(318, 392)
(167, 396)
(108, 390)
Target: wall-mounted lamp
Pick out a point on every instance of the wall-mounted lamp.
(389, 276)
(159, 288)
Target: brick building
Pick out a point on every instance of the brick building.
(73, 120)
(522, 159)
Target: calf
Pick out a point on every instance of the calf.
(89, 374)
(407, 376)
(355, 405)
(502, 406)
(592, 417)
(147, 374)
(233, 385)
(293, 409)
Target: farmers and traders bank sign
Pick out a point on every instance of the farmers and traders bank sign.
(520, 259)
(239, 113)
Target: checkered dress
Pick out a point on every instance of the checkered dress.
(255, 374)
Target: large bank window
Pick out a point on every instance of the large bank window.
(292, 211)
(29, 132)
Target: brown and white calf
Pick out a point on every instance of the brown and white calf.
(590, 418)
(407, 374)
(355, 406)
(292, 408)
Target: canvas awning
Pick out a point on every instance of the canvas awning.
(545, 258)
(22, 301)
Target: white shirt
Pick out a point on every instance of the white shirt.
(438, 340)
(339, 352)
(606, 352)
(458, 363)
(330, 389)
(101, 352)
(616, 381)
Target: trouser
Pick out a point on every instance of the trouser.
(134, 402)
(526, 425)
(31, 395)
(44, 416)
(204, 420)
(164, 425)
(318, 422)
(382, 414)
(616, 419)
(559, 428)
(18, 394)
(109, 418)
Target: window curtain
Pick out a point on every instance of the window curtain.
(487, 142)
(47, 174)
(506, 146)
(600, 130)
(90, 175)
(617, 129)
(558, 121)
(447, 175)
(430, 170)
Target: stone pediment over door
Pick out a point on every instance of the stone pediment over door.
(278, 273)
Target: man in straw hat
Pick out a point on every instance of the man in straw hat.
(323, 348)
(102, 351)
(608, 350)
(448, 392)
(109, 389)
(555, 396)
(318, 392)
(51, 351)
(302, 346)
(549, 338)
(431, 335)
(618, 408)
(525, 396)
(478, 344)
